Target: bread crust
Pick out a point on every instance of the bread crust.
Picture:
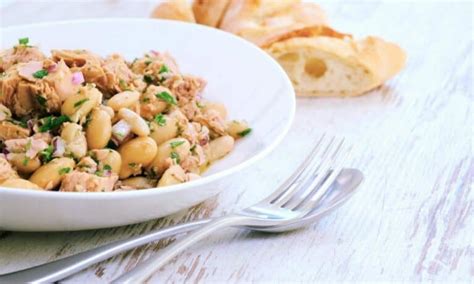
(311, 31)
(261, 20)
(210, 12)
(179, 10)
(378, 59)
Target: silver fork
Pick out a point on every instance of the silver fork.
(291, 202)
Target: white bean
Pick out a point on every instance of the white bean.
(173, 175)
(108, 110)
(123, 100)
(77, 107)
(164, 130)
(136, 153)
(139, 182)
(237, 129)
(50, 175)
(220, 147)
(20, 183)
(107, 157)
(23, 164)
(138, 124)
(99, 129)
(177, 149)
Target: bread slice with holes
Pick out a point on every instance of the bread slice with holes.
(335, 66)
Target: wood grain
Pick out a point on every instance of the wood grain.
(413, 217)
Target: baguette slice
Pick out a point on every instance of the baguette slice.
(261, 20)
(334, 66)
(179, 10)
(210, 12)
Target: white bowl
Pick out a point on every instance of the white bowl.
(248, 81)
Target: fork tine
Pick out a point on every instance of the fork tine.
(315, 177)
(310, 202)
(293, 185)
(297, 198)
(288, 182)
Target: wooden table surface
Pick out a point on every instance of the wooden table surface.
(411, 220)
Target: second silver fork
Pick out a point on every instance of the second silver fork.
(292, 201)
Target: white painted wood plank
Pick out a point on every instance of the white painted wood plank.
(413, 217)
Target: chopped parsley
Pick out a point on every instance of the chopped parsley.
(23, 41)
(160, 120)
(28, 145)
(165, 96)
(152, 174)
(147, 62)
(25, 161)
(103, 171)
(63, 171)
(41, 100)
(199, 105)
(176, 144)
(163, 69)
(148, 79)
(118, 134)
(111, 145)
(46, 155)
(123, 85)
(81, 166)
(145, 100)
(40, 74)
(175, 156)
(22, 123)
(51, 123)
(132, 165)
(80, 103)
(244, 132)
(88, 120)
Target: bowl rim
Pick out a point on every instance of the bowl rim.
(177, 187)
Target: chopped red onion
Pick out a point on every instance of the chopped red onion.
(31, 123)
(53, 67)
(120, 131)
(77, 78)
(106, 173)
(203, 141)
(155, 53)
(59, 146)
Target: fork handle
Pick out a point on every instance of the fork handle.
(145, 269)
(62, 268)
